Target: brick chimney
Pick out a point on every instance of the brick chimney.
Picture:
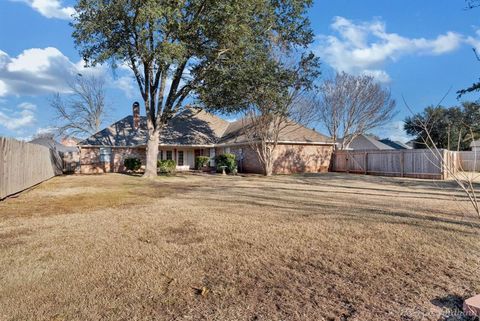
(136, 115)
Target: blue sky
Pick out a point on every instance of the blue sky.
(420, 49)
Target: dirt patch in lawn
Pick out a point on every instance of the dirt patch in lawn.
(306, 247)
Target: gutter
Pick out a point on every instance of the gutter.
(282, 142)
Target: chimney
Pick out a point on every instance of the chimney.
(136, 115)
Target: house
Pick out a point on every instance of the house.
(195, 132)
(51, 143)
(475, 145)
(395, 144)
(367, 142)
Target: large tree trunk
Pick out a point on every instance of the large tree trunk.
(152, 154)
(268, 168)
(266, 157)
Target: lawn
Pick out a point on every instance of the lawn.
(310, 247)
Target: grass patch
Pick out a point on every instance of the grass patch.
(304, 247)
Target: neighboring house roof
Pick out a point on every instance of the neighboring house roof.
(475, 143)
(394, 144)
(191, 127)
(53, 144)
(366, 142)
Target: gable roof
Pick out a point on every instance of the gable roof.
(53, 144)
(394, 144)
(191, 127)
(291, 133)
(367, 142)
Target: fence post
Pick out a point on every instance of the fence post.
(347, 163)
(365, 163)
(402, 162)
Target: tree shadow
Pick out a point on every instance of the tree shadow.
(298, 160)
(452, 308)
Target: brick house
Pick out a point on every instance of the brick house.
(195, 132)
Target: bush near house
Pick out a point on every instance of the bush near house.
(132, 164)
(167, 166)
(201, 161)
(227, 160)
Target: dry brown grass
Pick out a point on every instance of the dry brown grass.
(313, 247)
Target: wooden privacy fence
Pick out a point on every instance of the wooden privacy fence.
(417, 163)
(23, 165)
(469, 161)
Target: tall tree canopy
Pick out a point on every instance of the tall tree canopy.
(450, 128)
(182, 42)
(270, 88)
(475, 87)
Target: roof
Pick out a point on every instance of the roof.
(475, 143)
(367, 142)
(192, 127)
(53, 144)
(394, 144)
(292, 132)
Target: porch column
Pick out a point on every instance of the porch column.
(212, 157)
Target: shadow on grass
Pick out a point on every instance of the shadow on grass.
(452, 308)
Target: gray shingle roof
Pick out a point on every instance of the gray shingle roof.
(290, 133)
(53, 144)
(366, 142)
(394, 144)
(191, 127)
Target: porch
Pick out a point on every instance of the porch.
(184, 156)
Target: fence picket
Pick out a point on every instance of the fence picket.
(23, 165)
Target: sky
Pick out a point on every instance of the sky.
(420, 50)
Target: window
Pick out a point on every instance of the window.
(198, 152)
(180, 158)
(227, 150)
(160, 154)
(105, 153)
(169, 154)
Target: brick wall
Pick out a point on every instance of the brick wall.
(291, 159)
(90, 159)
(288, 159)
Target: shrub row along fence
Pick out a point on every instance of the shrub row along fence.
(23, 165)
(416, 163)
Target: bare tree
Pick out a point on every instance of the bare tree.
(465, 181)
(279, 101)
(349, 106)
(82, 112)
(265, 122)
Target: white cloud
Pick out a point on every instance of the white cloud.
(394, 130)
(39, 131)
(365, 47)
(18, 119)
(35, 71)
(40, 71)
(50, 8)
(126, 84)
(474, 42)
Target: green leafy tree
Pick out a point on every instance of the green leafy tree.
(450, 128)
(182, 41)
(271, 89)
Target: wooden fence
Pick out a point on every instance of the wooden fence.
(469, 161)
(23, 165)
(417, 163)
